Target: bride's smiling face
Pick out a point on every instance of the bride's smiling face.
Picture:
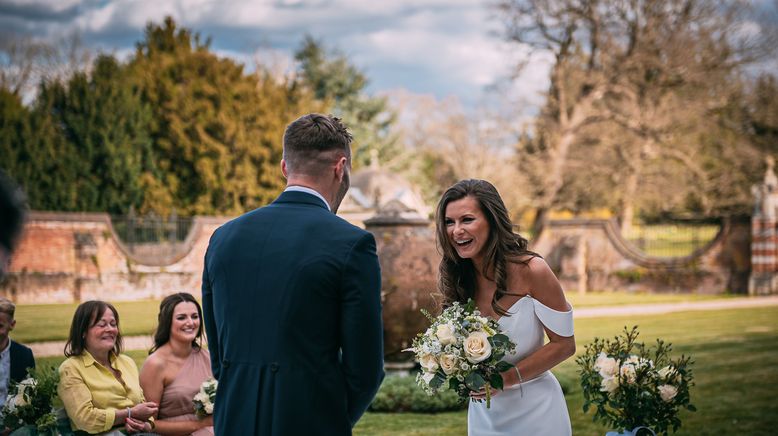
(467, 227)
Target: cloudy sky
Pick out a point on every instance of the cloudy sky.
(438, 47)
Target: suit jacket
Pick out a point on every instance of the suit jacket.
(291, 305)
(21, 359)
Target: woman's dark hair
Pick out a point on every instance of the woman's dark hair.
(457, 275)
(87, 315)
(165, 319)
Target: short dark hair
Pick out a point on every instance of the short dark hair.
(12, 211)
(313, 141)
(165, 319)
(87, 315)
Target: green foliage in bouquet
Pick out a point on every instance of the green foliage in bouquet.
(30, 402)
(630, 385)
(462, 351)
(402, 394)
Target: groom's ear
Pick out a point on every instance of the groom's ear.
(284, 171)
(340, 168)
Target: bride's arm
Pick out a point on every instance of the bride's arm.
(545, 288)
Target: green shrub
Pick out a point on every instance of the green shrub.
(401, 394)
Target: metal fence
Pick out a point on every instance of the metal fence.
(151, 229)
(671, 239)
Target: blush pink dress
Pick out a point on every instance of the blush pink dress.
(176, 403)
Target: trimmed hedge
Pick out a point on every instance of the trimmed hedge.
(401, 394)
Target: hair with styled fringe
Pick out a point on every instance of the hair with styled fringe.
(165, 319)
(87, 315)
(457, 280)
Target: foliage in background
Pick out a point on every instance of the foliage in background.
(342, 87)
(402, 394)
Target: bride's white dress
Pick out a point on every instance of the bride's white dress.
(539, 407)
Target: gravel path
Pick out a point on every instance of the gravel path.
(55, 348)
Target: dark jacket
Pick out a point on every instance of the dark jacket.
(21, 359)
(291, 305)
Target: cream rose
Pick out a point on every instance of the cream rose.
(427, 377)
(667, 392)
(429, 363)
(609, 384)
(629, 373)
(448, 362)
(477, 347)
(445, 333)
(606, 366)
(209, 409)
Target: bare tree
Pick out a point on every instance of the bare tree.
(643, 71)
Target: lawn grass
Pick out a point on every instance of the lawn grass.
(591, 299)
(736, 355)
(51, 322)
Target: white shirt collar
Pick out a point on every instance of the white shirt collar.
(305, 189)
(7, 347)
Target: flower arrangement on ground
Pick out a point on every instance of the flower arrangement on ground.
(462, 350)
(205, 398)
(631, 385)
(29, 402)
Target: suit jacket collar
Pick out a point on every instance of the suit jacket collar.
(300, 198)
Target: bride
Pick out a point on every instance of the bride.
(485, 260)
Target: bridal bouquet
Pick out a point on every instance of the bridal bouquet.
(462, 351)
(631, 385)
(29, 403)
(205, 398)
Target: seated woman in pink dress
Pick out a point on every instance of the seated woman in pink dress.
(176, 367)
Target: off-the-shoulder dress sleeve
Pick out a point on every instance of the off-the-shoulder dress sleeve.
(558, 322)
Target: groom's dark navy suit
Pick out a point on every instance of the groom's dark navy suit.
(291, 302)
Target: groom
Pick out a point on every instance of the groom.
(291, 300)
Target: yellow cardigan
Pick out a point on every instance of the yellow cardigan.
(91, 394)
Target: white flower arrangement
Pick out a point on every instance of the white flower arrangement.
(462, 350)
(205, 398)
(620, 379)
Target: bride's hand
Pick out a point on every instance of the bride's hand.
(481, 395)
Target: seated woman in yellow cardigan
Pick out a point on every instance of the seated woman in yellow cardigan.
(99, 386)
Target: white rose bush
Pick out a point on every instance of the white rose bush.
(205, 398)
(29, 404)
(630, 385)
(462, 351)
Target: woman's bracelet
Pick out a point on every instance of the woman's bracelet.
(129, 413)
(521, 380)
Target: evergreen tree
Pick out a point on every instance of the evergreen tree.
(342, 87)
(216, 130)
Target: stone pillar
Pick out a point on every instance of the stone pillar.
(764, 239)
(409, 263)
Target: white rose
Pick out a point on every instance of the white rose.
(477, 347)
(667, 392)
(429, 363)
(665, 372)
(209, 409)
(606, 366)
(427, 377)
(201, 397)
(20, 401)
(629, 373)
(609, 384)
(449, 363)
(445, 333)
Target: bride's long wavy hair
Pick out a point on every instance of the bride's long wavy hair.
(457, 280)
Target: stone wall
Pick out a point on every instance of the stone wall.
(71, 257)
(591, 255)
